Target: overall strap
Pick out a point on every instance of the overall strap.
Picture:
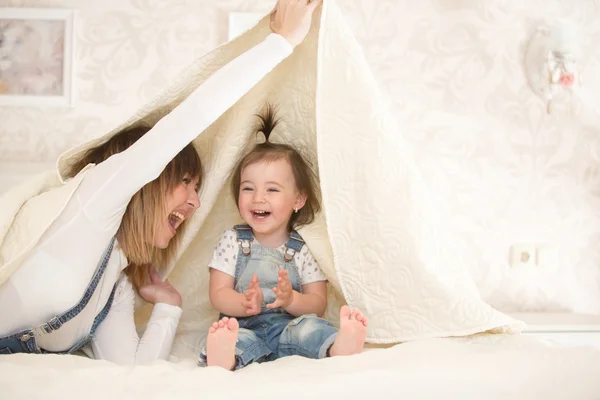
(57, 321)
(25, 341)
(244, 237)
(104, 312)
(294, 244)
(97, 321)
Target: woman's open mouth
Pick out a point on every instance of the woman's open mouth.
(175, 220)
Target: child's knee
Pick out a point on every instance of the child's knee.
(303, 328)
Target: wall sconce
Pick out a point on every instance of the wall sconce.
(550, 63)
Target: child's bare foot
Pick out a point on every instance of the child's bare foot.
(351, 337)
(220, 344)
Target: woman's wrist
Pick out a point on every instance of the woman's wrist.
(283, 41)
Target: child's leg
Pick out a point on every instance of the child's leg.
(231, 347)
(313, 337)
(307, 336)
(275, 323)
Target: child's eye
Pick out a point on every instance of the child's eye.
(247, 189)
(187, 180)
(272, 190)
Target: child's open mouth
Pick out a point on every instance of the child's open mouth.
(259, 214)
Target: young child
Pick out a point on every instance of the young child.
(263, 279)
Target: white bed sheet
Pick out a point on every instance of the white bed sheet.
(480, 367)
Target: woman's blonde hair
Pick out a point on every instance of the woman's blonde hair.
(306, 180)
(148, 205)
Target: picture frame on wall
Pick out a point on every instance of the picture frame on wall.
(36, 57)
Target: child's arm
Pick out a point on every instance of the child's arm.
(226, 300)
(223, 296)
(312, 301)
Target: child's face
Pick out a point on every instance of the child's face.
(268, 197)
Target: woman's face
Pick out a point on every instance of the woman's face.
(181, 204)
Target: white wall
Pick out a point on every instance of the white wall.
(501, 170)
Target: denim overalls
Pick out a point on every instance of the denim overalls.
(25, 340)
(274, 333)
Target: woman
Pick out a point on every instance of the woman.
(77, 286)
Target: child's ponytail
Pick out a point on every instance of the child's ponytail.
(267, 122)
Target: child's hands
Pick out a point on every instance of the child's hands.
(254, 297)
(283, 291)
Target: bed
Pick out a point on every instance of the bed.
(452, 344)
(484, 366)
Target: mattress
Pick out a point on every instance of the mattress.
(485, 366)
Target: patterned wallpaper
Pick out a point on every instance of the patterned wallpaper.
(502, 171)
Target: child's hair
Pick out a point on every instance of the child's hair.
(306, 181)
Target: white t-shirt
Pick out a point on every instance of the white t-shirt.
(56, 273)
(227, 250)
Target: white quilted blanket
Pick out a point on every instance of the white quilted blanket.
(367, 240)
(484, 367)
(375, 206)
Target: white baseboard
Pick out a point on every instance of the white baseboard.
(13, 173)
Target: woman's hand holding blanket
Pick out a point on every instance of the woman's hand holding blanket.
(292, 18)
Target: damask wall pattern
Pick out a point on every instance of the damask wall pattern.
(501, 171)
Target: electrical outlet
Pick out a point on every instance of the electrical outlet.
(523, 255)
